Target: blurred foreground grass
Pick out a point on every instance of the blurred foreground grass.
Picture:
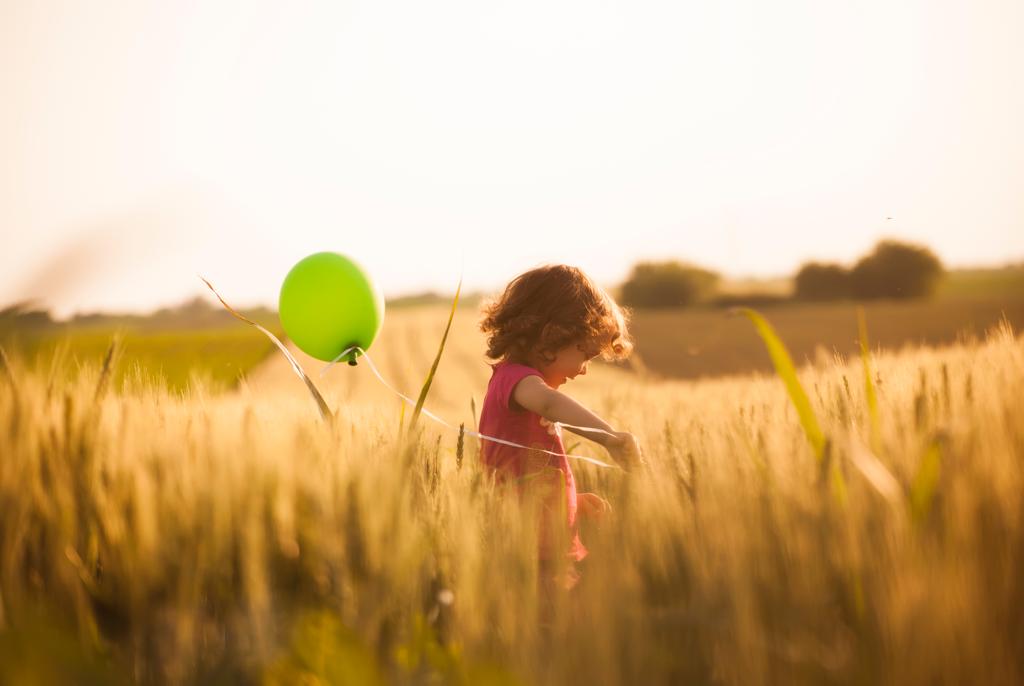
(160, 537)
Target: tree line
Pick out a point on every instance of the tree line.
(891, 270)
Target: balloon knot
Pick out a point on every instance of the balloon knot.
(353, 348)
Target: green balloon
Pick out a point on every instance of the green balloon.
(329, 303)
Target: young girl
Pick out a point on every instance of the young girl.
(543, 330)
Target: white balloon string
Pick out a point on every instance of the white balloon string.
(336, 359)
(376, 372)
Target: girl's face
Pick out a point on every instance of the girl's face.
(569, 362)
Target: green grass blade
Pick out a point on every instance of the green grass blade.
(869, 385)
(829, 474)
(321, 404)
(437, 360)
(787, 372)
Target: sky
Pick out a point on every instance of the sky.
(145, 143)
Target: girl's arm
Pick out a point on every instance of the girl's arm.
(536, 396)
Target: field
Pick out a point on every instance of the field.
(172, 359)
(162, 537)
(699, 342)
(172, 348)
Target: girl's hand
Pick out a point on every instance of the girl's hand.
(625, 449)
(592, 506)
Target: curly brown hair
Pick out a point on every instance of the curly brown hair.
(549, 307)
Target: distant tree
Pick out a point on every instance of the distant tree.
(816, 281)
(667, 284)
(896, 270)
(25, 315)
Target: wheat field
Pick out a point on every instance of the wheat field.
(156, 537)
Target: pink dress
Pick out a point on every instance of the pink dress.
(501, 417)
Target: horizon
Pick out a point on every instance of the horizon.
(728, 284)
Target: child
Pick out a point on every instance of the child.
(543, 330)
